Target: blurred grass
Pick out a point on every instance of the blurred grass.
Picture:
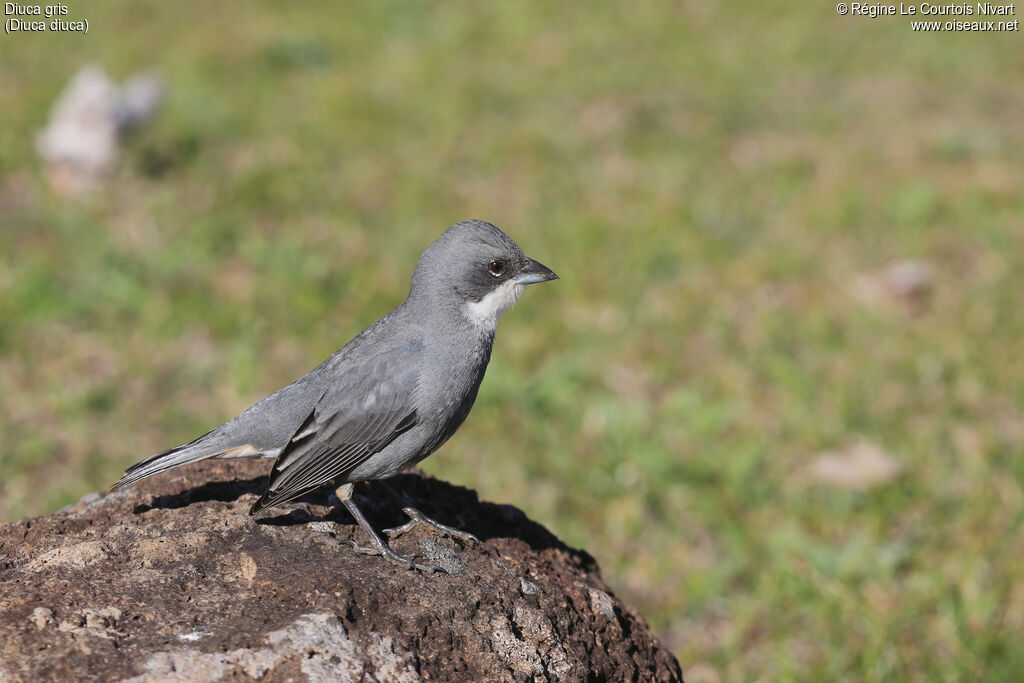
(708, 180)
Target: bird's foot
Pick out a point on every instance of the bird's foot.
(388, 553)
(379, 546)
(417, 517)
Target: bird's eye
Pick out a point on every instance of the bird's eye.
(496, 268)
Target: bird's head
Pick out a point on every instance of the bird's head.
(479, 269)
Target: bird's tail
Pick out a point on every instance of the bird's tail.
(194, 451)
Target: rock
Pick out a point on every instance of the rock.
(140, 98)
(860, 466)
(172, 580)
(906, 285)
(80, 144)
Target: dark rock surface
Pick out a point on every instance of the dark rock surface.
(171, 580)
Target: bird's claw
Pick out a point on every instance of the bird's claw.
(417, 517)
(389, 554)
(362, 549)
(399, 530)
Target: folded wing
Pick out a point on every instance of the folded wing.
(355, 418)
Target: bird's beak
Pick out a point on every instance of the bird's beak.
(533, 272)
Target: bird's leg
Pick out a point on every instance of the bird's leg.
(417, 517)
(379, 546)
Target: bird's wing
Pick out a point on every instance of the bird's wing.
(356, 417)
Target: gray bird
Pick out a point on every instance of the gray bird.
(391, 396)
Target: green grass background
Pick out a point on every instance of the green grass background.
(709, 179)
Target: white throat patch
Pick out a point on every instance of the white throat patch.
(485, 313)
